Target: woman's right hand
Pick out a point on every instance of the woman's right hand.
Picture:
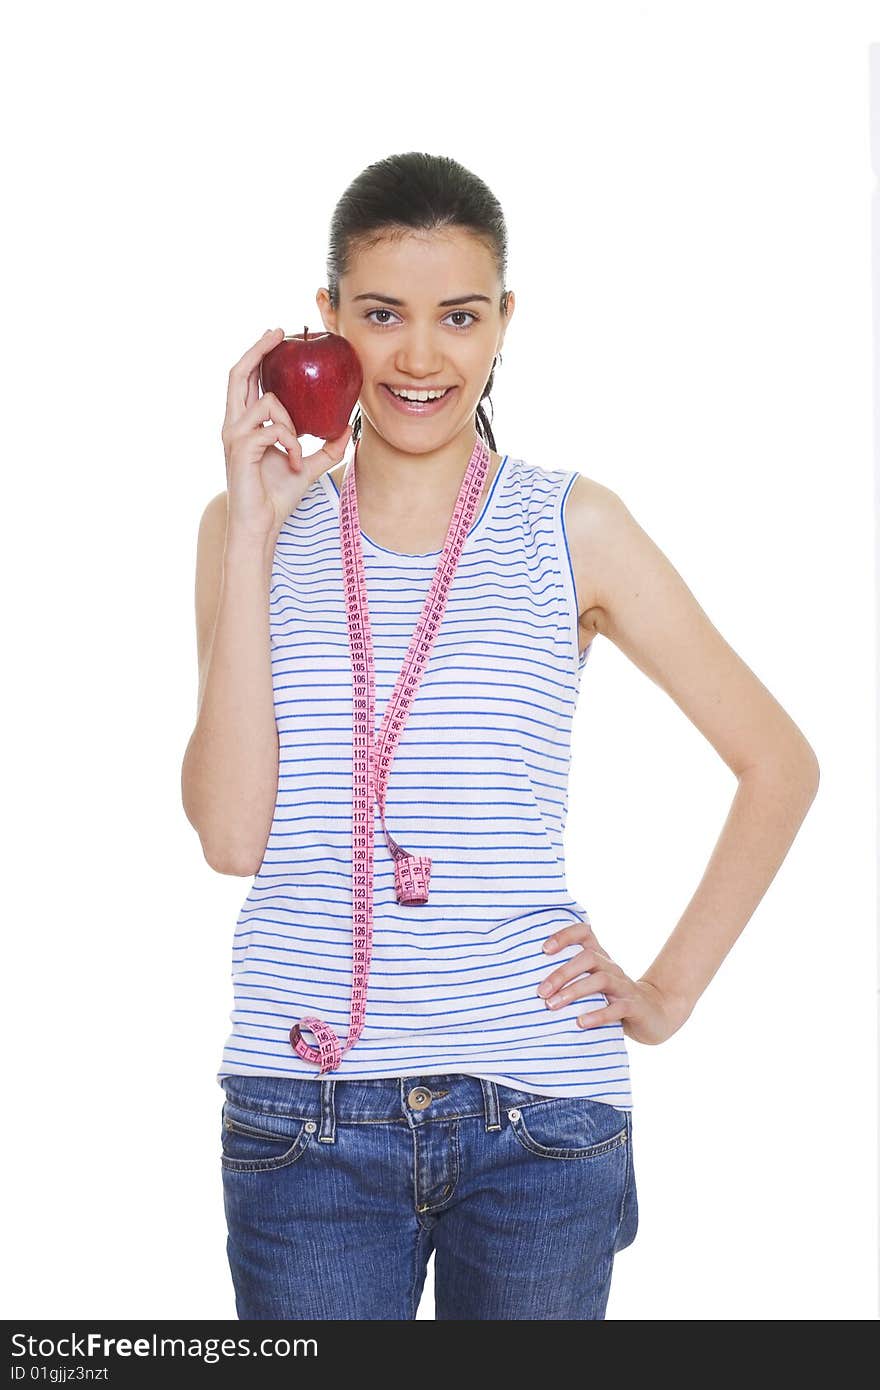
(263, 484)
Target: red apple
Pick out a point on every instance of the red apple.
(317, 377)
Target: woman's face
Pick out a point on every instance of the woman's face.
(419, 341)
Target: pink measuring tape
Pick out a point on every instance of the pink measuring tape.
(372, 759)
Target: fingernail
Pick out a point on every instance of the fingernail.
(549, 946)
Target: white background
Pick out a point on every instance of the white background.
(687, 190)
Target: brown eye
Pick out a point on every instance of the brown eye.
(376, 311)
(457, 313)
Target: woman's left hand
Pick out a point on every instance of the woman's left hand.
(648, 1016)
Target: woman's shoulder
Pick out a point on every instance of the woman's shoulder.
(590, 500)
(606, 542)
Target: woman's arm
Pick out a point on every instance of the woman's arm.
(630, 593)
(229, 778)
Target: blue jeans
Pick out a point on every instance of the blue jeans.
(337, 1191)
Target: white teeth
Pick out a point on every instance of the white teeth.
(419, 395)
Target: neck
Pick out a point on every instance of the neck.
(402, 484)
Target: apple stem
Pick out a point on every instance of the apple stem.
(305, 332)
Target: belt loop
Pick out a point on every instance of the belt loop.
(327, 1134)
(490, 1099)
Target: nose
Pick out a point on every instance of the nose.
(418, 357)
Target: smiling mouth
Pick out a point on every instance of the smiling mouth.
(417, 391)
(429, 406)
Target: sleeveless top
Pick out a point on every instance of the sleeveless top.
(478, 782)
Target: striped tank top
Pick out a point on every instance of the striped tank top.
(479, 782)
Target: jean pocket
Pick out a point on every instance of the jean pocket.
(573, 1127)
(257, 1142)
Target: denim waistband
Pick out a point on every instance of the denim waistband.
(422, 1098)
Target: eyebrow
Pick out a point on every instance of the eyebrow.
(442, 303)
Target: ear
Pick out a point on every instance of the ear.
(326, 310)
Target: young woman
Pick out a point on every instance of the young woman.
(441, 1067)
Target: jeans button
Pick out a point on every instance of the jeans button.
(419, 1097)
(513, 1114)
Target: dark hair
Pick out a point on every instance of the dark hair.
(415, 192)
